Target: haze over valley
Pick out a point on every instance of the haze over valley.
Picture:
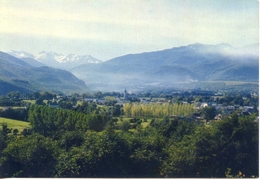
(169, 68)
(138, 45)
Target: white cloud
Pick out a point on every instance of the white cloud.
(149, 23)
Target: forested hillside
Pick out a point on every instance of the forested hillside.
(85, 143)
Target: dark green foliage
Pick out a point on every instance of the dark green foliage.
(238, 140)
(97, 122)
(6, 101)
(65, 105)
(67, 143)
(14, 95)
(39, 101)
(134, 120)
(116, 110)
(53, 122)
(71, 139)
(146, 146)
(18, 114)
(209, 113)
(5, 131)
(46, 95)
(15, 131)
(26, 132)
(174, 129)
(102, 155)
(86, 107)
(33, 156)
(3, 136)
(210, 151)
(125, 125)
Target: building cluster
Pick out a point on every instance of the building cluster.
(221, 110)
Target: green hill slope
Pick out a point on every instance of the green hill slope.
(16, 74)
(15, 124)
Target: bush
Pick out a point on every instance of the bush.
(134, 120)
(125, 126)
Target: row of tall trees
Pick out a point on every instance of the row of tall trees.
(6, 101)
(18, 114)
(158, 110)
(51, 121)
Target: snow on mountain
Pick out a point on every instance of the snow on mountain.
(65, 62)
(20, 54)
(49, 58)
(56, 60)
(80, 59)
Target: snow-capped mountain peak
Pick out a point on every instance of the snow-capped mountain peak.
(79, 59)
(48, 58)
(64, 61)
(57, 60)
(20, 54)
(51, 55)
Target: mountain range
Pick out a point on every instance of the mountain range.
(54, 59)
(166, 68)
(170, 67)
(17, 75)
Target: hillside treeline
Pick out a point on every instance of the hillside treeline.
(18, 114)
(66, 143)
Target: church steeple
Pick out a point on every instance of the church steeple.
(125, 94)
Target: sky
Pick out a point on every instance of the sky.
(109, 28)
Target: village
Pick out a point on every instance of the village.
(223, 104)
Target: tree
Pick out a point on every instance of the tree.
(39, 101)
(110, 100)
(98, 94)
(15, 131)
(65, 105)
(146, 156)
(127, 109)
(209, 113)
(125, 125)
(97, 122)
(3, 137)
(14, 95)
(5, 131)
(179, 159)
(117, 110)
(103, 154)
(71, 139)
(46, 95)
(36, 95)
(236, 136)
(32, 156)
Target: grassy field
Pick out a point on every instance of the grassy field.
(29, 101)
(14, 124)
(33, 101)
(14, 107)
(143, 124)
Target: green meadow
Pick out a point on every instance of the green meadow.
(15, 124)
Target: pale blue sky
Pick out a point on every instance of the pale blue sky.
(110, 28)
